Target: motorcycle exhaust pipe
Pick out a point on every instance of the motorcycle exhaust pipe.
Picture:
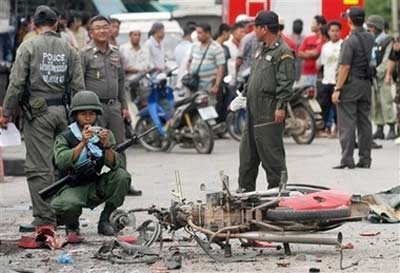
(336, 239)
(326, 239)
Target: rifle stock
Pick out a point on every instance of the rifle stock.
(56, 186)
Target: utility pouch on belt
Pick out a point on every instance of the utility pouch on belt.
(38, 106)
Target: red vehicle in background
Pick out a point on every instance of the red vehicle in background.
(291, 10)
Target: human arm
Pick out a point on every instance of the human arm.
(75, 73)
(285, 79)
(383, 67)
(109, 154)
(345, 58)
(121, 91)
(220, 62)
(220, 72)
(343, 73)
(18, 80)
(391, 65)
(112, 159)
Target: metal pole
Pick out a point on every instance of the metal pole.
(316, 239)
(395, 17)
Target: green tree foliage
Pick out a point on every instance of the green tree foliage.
(380, 7)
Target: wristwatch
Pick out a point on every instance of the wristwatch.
(107, 147)
(337, 89)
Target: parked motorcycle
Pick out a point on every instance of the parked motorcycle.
(303, 117)
(235, 121)
(304, 112)
(185, 122)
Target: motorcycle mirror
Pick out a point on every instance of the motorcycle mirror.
(172, 71)
(161, 76)
(227, 79)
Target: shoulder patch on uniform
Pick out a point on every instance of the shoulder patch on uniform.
(284, 56)
(114, 47)
(88, 47)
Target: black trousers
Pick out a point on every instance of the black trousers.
(324, 98)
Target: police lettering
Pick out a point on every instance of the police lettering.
(48, 57)
(53, 68)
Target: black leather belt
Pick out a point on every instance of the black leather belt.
(54, 102)
(108, 101)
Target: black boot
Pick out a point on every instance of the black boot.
(392, 132)
(379, 133)
(104, 227)
(133, 192)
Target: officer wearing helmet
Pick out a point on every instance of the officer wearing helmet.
(45, 70)
(79, 144)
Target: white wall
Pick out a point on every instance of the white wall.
(291, 10)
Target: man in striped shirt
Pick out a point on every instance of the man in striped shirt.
(211, 69)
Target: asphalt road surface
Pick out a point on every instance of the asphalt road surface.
(154, 174)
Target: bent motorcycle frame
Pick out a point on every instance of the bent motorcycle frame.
(227, 216)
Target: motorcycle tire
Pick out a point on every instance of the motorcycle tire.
(235, 124)
(308, 136)
(203, 138)
(153, 142)
(287, 214)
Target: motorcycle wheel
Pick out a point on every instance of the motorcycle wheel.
(153, 142)
(235, 122)
(287, 214)
(305, 115)
(203, 138)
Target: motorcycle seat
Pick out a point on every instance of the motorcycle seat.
(183, 101)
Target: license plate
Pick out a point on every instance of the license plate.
(207, 113)
(315, 106)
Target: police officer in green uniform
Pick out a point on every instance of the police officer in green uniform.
(352, 93)
(104, 74)
(268, 91)
(79, 145)
(44, 69)
(382, 110)
(394, 59)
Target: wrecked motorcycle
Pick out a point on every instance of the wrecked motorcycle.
(293, 213)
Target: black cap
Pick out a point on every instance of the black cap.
(44, 14)
(267, 18)
(354, 13)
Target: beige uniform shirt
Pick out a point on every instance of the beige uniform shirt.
(103, 73)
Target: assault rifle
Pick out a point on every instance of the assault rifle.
(86, 168)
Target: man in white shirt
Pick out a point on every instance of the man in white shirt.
(238, 31)
(329, 61)
(155, 46)
(136, 61)
(182, 52)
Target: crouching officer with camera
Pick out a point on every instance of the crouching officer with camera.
(81, 145)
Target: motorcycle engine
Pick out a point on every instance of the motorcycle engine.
(218, 212)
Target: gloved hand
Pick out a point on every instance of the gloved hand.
(238, 103)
